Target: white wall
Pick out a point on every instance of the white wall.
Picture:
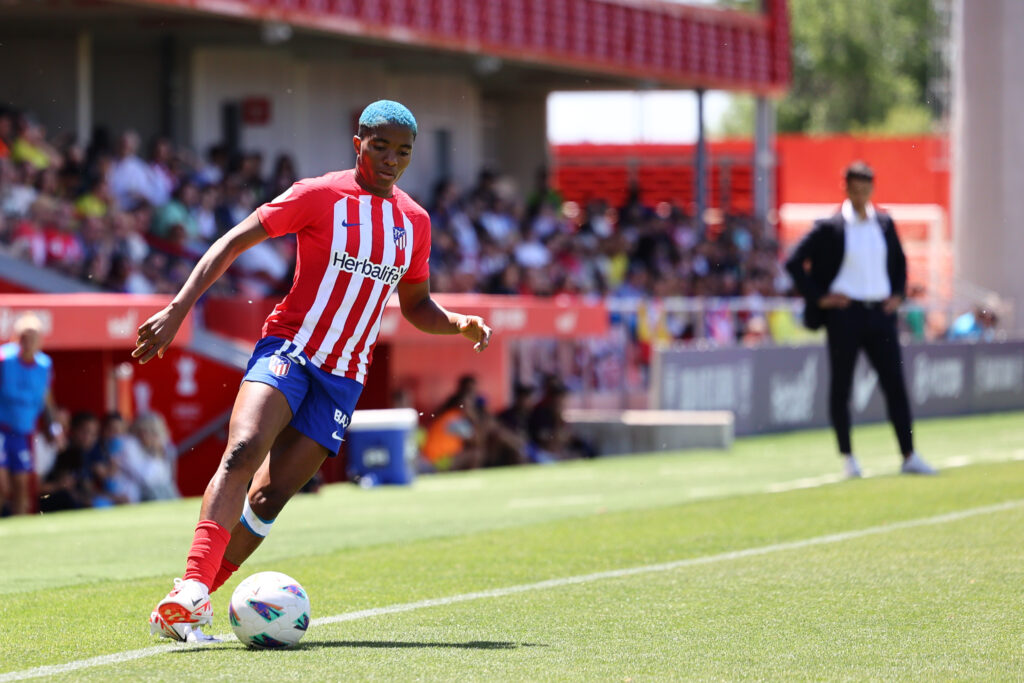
(441, 102)
(988, 147)
(517, 137)
(314, 101)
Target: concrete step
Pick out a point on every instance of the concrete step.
(621, 432)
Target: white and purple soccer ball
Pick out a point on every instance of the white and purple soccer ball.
(269, 610)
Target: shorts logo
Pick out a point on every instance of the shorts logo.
(398, 232)
(341, 418)
(279, 366)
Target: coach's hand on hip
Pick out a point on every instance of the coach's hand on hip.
(156, 334)
(474, 328)
(892, 304)
(834, 301)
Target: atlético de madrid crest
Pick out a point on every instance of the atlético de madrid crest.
(399, 232)
(279, 366)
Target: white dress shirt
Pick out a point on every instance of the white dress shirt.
(864, 273)
(131, 179)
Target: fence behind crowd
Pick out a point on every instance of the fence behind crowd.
(615, 371)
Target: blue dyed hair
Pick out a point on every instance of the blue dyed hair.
(386, 113)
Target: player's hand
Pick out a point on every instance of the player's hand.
(834, 301)
(56, 442)
(474, 328)
(55, 439)
(892, 304)
(156, 334)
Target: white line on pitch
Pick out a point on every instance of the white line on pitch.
(120, 657)
(805, 483)
(553, 501)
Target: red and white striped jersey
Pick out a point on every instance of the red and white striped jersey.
(353, 249)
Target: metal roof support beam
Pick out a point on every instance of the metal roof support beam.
(764, 163)
(700, 164)
(83, 88)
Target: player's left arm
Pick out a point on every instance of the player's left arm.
(427, 315)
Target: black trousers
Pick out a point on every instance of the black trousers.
(870, 328)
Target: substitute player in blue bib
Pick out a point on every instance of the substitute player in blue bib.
(25, 376)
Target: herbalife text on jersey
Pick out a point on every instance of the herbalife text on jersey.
(389, 275)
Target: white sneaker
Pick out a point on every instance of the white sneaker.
(184, 609)
(851, 467)
(915, 464)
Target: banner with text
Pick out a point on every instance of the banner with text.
(780, 388)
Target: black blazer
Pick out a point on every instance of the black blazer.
(815, 262)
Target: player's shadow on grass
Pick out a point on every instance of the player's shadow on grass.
(372, 644)
(387, 644)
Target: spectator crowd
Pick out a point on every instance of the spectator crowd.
(463, 433)
(487, 240)
(102, 462)
(134, 219)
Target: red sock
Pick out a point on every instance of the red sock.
(208, 545)
(223, 574)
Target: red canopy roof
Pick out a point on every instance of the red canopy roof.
(660, 43)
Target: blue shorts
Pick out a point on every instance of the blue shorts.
(321, 403)
(15, 451)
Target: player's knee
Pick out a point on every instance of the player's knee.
(240, 455)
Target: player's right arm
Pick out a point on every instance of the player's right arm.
(155, 334)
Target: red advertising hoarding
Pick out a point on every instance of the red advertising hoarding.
(87, 321)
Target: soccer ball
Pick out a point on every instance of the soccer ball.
(269, 610)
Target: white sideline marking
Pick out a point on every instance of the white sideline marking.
(119, 657)
(805, 483)
(553, 501)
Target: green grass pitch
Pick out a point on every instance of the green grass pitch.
(926, 583)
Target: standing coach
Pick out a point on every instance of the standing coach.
(851, 271)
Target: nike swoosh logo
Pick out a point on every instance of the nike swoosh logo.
(346, 224)
(335, 436)
(196, 601)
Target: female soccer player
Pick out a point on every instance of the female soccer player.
(359, 239)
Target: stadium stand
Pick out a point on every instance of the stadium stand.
(109, 217)
(105, 216)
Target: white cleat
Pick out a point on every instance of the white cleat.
(851, 467)
(915, 464)
(180, 614)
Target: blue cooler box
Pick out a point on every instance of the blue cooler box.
(380, 446)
